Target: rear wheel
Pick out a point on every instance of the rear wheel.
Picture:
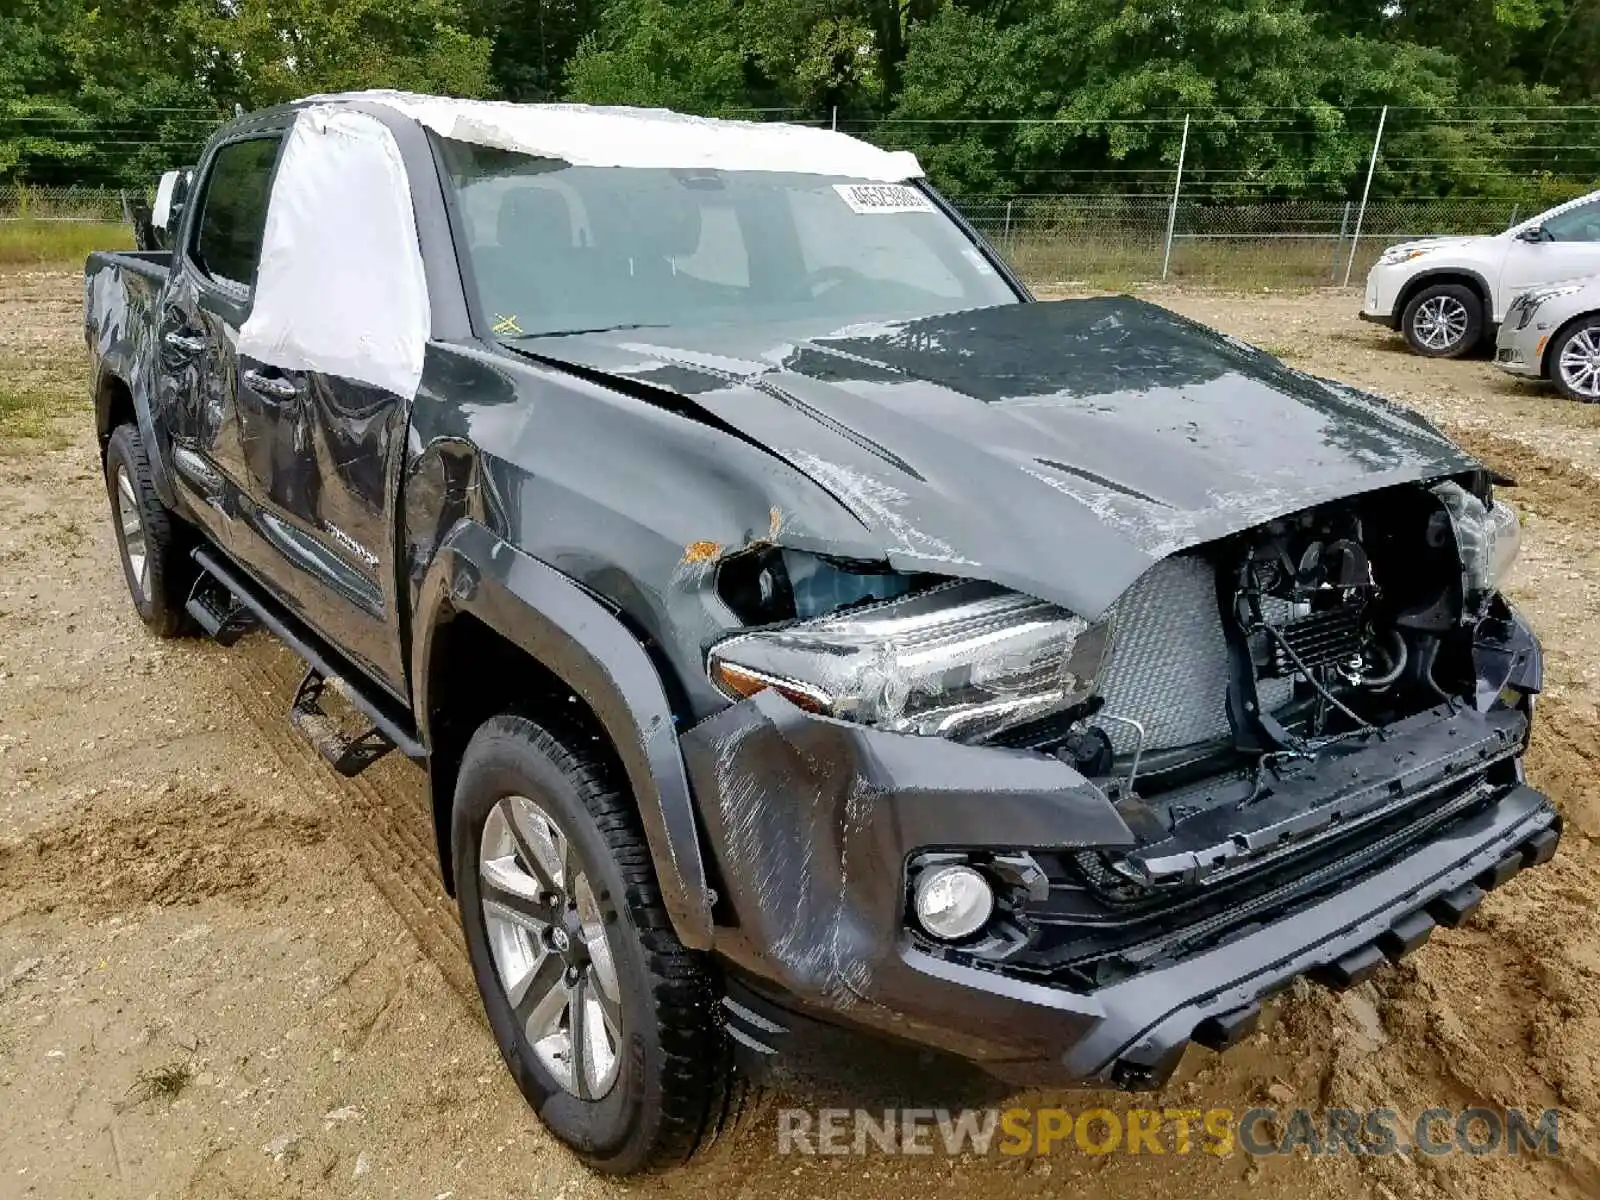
(1444, 320)
(1575, 361)
(150, 539)
(608, 1024)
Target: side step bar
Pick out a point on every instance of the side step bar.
(348, 754)
(216, 611)
(240, 608)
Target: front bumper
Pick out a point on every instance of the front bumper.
(811, 822)
(1521, 351)
(1382, 291)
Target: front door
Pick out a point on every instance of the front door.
(1569, 249)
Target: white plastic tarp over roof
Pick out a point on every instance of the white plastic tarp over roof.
(589, 136)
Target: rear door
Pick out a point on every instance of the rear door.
(208, 299)
(298, 469)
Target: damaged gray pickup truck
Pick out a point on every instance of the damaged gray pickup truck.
(806, 633)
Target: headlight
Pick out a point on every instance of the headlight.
(1530, 302)
(1488, 537)
(963, 660)
(1395, 255)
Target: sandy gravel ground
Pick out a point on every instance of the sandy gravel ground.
(225, 972)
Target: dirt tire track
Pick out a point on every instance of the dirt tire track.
(370, 821)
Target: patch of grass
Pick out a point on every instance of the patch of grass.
(166, 1082)
(33, 399)
(31, 411)
(59, 243)
(1116, 263)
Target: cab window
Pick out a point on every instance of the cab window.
(1581, 224)
(227, 238)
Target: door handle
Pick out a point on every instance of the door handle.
(273, 387)
(184, 343)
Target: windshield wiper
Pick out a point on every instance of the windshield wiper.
(528, 337)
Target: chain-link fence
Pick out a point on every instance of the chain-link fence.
(63, 204)
(1108, 239)
(1098, 240)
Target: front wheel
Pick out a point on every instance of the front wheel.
(1575, 361)
(1443, 321)
(607, 1023)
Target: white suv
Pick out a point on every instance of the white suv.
(1447, 293)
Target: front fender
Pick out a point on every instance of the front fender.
(583, 643)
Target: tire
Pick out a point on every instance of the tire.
(152, 542)
(1574, 360)
(1443, 321)
(519, 786)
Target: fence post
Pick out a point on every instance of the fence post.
(1361, 216)
(1338, 246)
(836, 118)
(1177, 184)
(1006, 237)
(1511, 223)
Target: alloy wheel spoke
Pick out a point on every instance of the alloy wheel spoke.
(578, 1031)
(540, 850)
(539, 998)
(609, 1004)
(516, 896)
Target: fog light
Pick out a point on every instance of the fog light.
(953, 902)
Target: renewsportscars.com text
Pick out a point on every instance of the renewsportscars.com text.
(1219, 1132)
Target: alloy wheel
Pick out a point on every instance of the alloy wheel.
(1440, 322)
(1580, 363)
(133, 542)
(550, 946)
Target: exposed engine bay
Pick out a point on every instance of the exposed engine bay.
(1291, 687)
(1316, 628)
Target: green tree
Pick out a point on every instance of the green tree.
(1101, 86)
(115, 94)
(659, 53)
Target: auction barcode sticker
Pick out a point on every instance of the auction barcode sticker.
(883, 198)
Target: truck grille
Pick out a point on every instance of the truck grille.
(1168, 668)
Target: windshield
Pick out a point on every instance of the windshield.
(564, 249)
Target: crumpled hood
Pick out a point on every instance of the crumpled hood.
(1058, 448)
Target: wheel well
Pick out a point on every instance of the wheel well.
(475, 673)
(113, 404)
(1409, 292)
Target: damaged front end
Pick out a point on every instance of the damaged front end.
(979, 821)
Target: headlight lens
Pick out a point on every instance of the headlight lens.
(1395, 255)
(964, 661)
(1489, 537)
(1530, 302)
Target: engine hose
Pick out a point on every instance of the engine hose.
(1400, 658)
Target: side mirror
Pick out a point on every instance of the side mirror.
(1534, 233)
(161, 212)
